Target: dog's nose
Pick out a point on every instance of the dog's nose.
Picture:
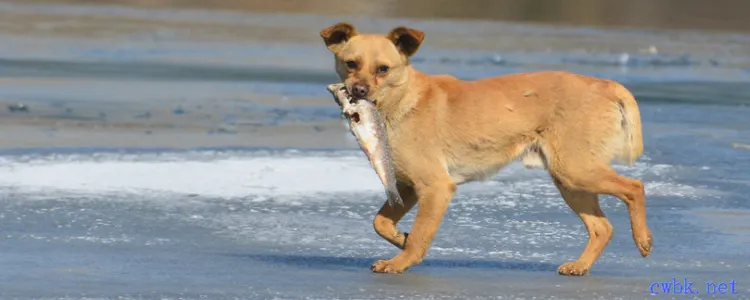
(360, 90)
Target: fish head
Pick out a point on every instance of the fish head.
(372, 66)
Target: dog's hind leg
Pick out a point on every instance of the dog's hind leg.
(586, 206)
(604, 180)
(585, 175)
(388, 216)
(579, 149)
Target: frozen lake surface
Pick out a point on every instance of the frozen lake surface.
(194, 154)
(297, 224)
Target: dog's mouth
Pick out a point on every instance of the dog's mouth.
(351, 98)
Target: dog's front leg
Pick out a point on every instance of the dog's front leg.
(388, 216)
(432, 199)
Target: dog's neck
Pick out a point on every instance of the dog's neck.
(404, 98)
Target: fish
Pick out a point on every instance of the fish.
(368, 127)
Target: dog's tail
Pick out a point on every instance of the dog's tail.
(631, 125)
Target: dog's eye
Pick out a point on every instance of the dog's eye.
(383, 69)
(351, 64)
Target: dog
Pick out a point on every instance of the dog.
(445, 132)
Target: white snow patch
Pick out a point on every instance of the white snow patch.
(226, 177)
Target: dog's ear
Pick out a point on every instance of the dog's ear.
(336, 35)
(407, 40)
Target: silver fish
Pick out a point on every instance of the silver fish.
(369, 129)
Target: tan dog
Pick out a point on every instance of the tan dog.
(444, 132)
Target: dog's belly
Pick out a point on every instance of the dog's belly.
(530, 156)
(468, 173)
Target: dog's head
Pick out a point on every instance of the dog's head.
(372, 65)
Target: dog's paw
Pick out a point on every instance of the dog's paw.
(392, 266)
(644, 243)
(573, 268)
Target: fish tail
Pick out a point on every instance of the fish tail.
(394, 197)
